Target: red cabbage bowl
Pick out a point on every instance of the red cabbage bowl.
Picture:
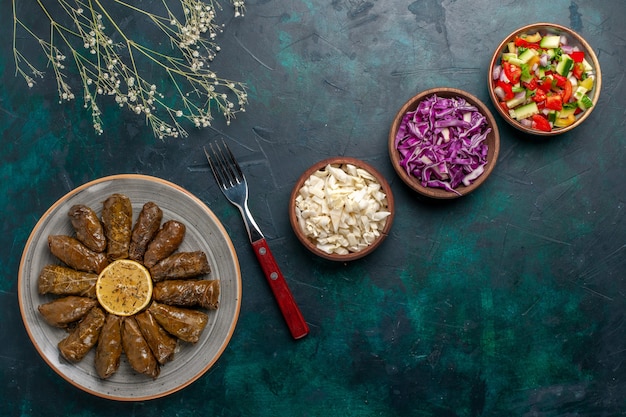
(448, 148)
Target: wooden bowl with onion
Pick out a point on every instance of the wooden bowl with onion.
(436, 145)
(559, 63)
(333, 234)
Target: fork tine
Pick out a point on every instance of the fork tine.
(225, 167)
(230, 164)
(233, 166)
(214, 167)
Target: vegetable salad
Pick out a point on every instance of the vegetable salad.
(543, 82)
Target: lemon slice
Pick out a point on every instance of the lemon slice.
(124, 287)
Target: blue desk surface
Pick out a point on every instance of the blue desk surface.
(509, 301)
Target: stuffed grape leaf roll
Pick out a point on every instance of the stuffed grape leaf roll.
(84, 336)
(60, 280)
(89, 230)
(137, 351)
(117, 219)
(145, 229)
(109, 349)
(66, 310)
(181, 265)
(183, 323)
(166, 241)
(202, 293)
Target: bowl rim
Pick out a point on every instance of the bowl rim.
(558, 29)
(439, 193)
(341, 160)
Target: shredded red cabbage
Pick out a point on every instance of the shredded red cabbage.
(442, 143)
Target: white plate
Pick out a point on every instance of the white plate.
(204, 232)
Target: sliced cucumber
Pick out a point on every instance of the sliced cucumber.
(514, 60)
(526, 111)
(580, 92)
(527, 55)
(585, 102)
(550, 41)
(552, 116)
(508, 55)
(565, 65)
(516, 101)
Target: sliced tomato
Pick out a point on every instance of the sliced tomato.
(577, 56)
(554, 102)
(546, 84)
(566, 93)
(560, 80)
(540, 122)
(531, 85)
(541, 105)
(512, 72)
(539, 96)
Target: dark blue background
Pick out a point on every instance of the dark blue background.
(509, 301)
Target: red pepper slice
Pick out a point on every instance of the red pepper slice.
(553, 102)
(540, 122)
(520, 41)
(577, 56)
(525, 44)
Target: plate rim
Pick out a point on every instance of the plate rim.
(201, 205)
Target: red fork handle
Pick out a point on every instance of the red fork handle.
(284, 298)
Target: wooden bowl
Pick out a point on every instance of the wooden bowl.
(311, 243)
(574, 39)
(492, 140)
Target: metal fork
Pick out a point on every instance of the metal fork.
(234, 186)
